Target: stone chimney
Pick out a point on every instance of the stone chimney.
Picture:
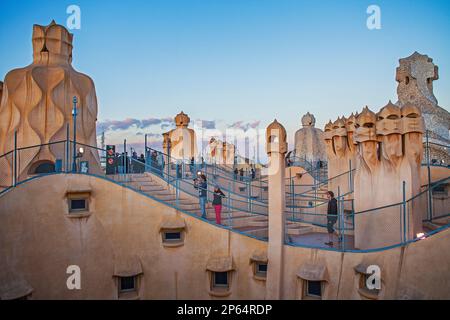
(276, 147)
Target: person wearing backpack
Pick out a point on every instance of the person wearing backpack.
(217, 203)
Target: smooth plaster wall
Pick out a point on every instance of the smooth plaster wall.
(39, 240)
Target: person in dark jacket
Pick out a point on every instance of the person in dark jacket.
(201, 184)
(192, 165)
(332, 215)
(241, 174)
(217, 203)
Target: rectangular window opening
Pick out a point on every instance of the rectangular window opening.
(220, 279)
(172, 236)
(127, 284)
(314, 289)
(261, 269)
(76, 205)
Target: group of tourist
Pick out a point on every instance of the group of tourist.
(157, 162)
(241, 173)
(125, 164)
(137, 164)
(291, 161)
(194, 166)
(201, 184)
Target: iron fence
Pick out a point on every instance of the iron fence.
(307, 218)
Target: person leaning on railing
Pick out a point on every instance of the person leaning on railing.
(331, 217)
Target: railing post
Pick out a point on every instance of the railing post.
(350, 183)
(124, 160)
(315, 189)
(339, 214)
(14, 182)
(67, 147)
(74, 115)
(169, 162)
(342, 214)
(250, 194)
(293, 201)
(177, 192)
(183, 169)
(229, 206)
(427, 153)
(404, 211)
(145, 143)
(248, 197)
(260, 186)
(353, 214)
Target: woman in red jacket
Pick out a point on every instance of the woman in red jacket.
(217, 203)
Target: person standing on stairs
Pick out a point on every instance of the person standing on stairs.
(160, 162)
(332, 215)
(217, 203)
(202, 186)
(192, 166)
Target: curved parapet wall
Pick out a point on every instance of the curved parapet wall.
(122, 233)
(40, 239)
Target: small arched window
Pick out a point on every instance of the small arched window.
(407, 80)
(273, 139)
(42, 167)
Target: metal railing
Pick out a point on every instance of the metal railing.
(20, 166)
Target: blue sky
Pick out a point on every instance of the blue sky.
(230, 61)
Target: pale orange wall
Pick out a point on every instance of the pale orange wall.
(38, 240)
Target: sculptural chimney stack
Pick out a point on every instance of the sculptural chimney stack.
(276, 147)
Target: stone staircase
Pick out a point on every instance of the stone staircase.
(436, 224)
(248, 223)
(161, 190)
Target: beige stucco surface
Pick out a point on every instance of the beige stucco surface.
(39, 241)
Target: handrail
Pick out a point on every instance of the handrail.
(231, 192)
(224, 177)
(172, 180)
(341, 249)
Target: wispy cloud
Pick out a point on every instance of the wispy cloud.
(245, 125)
(114, 125)
(208, 124)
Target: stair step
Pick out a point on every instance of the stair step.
(431, 226)
(166, 198)
(152, 188)
(259, 222)
(442, 221)
(162, 191)
(299, 229)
